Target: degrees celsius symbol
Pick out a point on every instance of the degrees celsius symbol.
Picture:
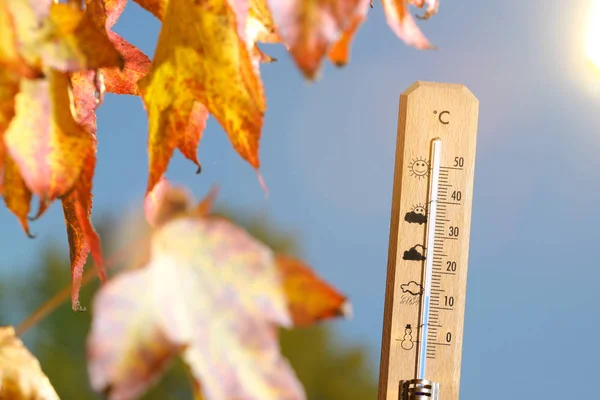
(429, 243)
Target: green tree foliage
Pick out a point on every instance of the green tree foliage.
(328, 370)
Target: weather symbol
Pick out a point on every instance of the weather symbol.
(412, 287)
(419, 167)
(417, 215)
(407, 342)
(413, 254)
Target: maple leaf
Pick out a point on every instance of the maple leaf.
(309, 28)
(200, 57)
(404, 25)
(339, 53)
(105, 14)
(21, 377)
(43, 138)
(212, 294)
(77, 204)
(9, 87)
(9, 49)
(136, 66)
(67, 39)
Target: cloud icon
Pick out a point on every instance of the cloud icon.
(412, 287)
(413, 254)
(415, 218)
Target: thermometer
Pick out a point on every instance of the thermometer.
(429, 243)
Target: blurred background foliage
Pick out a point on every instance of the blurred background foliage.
(328, 369)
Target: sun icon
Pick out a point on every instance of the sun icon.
(419, 167)
(419, 209)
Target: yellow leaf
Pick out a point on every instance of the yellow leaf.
(67, 39)
(43, 138)
(21, 377)
(17, 195)
(9, 51)
(200, 57)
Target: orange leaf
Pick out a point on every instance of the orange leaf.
(206, 62)
(137, 65)
(309, 298)
(77, 204)
(340, 52)
(9, 51)
(310, 27)
(204, 208)
(44, 139)
(21, 376)
(83, 238)
(403, 24)
(17, 196)
(105, 13)
(9, 87)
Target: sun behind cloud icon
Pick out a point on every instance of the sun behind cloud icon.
(418, 215)
(419, 167)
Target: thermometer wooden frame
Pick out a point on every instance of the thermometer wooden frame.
(429, 112)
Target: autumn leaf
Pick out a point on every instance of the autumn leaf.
(213, 295)
(309, 28)
(67, 39)
(9, 87)
(339, 54)
(201, 58)
(21, 377)
(432, 7)
(43, 138)
(17, 196)
(77, 204)
(309, 299)
(9, 49)
(136, 66)
(404, 25)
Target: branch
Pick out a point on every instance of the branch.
(49, 306)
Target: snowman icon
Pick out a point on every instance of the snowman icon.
(407, 342)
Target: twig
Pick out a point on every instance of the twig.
(49, 306)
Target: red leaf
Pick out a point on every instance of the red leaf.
(77, 205)
(137, 65)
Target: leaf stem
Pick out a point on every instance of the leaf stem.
(65, 293)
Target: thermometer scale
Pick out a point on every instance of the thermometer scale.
(429, 243)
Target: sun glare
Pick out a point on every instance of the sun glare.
(592, 46)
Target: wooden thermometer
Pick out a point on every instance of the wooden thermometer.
(429, 243)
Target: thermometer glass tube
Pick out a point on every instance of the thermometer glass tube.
(436, 152)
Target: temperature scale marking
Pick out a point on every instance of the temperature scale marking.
(429, 243)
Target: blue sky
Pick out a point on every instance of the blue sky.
(328, 157)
